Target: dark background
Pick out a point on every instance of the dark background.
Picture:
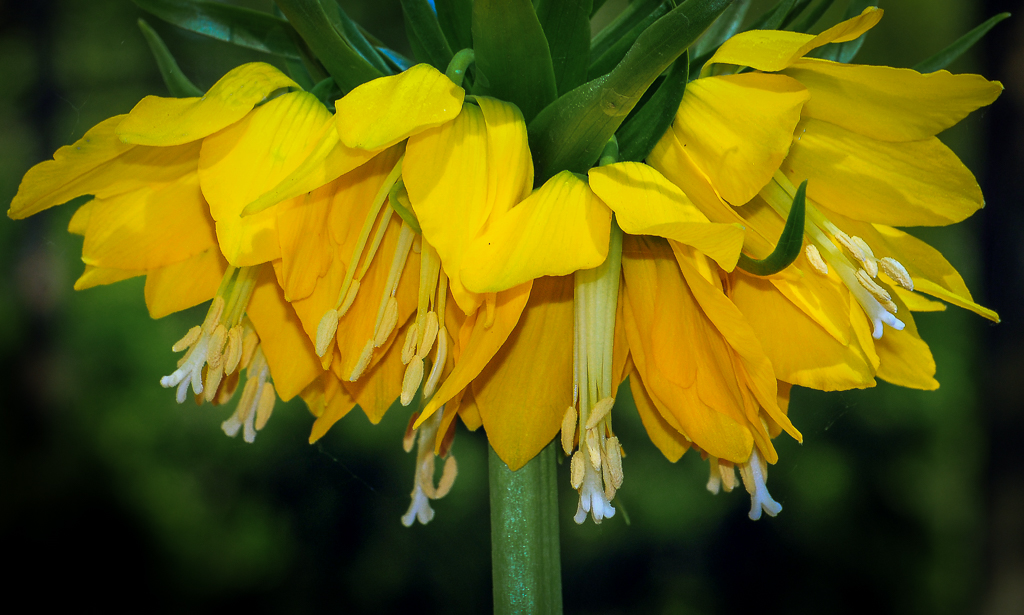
(899, 501)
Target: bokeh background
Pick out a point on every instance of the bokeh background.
(111, 494)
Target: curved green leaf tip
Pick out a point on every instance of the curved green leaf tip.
(945, 57)
(177, 83)
(790, 242)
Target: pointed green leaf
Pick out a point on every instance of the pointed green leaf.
(570, 133)
(513, 61)
(456, 19)
(231, 24)
(623, 23)
(790, 242)
(566, 25)
(945, 57)
(639, 134)
(428, 42)
(805, 23)
(596, 7)
(177, 83)
(326, 91)
(354, 35)
(607, 61)
(342, 61)
(724, 27)
(772, 19)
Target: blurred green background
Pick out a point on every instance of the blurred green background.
(111, 494)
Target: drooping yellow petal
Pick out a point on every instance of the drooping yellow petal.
(523, 392)
(99, 164)
(248, 159)
(773, 50)
(183, 285)
(646, 203)
(149, 227)
(173, 121)
(293, 364)
(446, 174)
(680, 363)
(334, 400)
(669, 441)
(100, 276)
(79, 223)
(919, 303)
(560, 228)
(890, 104)
(920, 183)
(801, 351)
(384, 111)
(306, 248)
(379, 387)
(738, 128)
(904, 358)
(509, 164)
(481, 345)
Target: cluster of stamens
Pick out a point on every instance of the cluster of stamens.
(596, 466)
(754, 473)
(424, 489)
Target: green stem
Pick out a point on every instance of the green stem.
(525, 559)
(459, 64)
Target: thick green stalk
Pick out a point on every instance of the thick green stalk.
(525, 560)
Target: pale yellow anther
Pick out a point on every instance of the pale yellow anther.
(613, 460)
(849, 244)
(214, 314)
(897, 272)
(599, 411)
(606, 478)
(869, 254)
(213, 378)
(412, 379)
(435, 371)
(430, 327)
(872, 287)
(215, 351)
(245, 403)
(387, 324)
(417, 244)
(410, 434)
(577, 470)
(871, 266)
(350, 298)
(409, 347)
(814, 258)
(227, 389)
(190, 338)
(569, 430)
(594, 448)
(249, 345)
(266, 405)
(728, 473)
(890, 307)
(363, 362)
(325, 332)
(448, 474)
(233, 349)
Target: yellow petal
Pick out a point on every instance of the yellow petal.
(800, 350)
(293, 364)
(335, 402)
(646, 203)
(248, 159)
(384, 111)
(173, 121)
(306, 248)
(904, 358)
(149, 227)
(772, 50)
(890, 104)
(447, 186)
(669, 441)
(482, 344)
(919, 183)
(183, 285)
(560, 228)
(509, 164)
(738, 128)
(98, 164)
(524, 390)
(100, 276)
(80, 221)
(919, 303)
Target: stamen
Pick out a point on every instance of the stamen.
(594, 448)
(190, 338)
(266, 405)
(592, 498)
(576, 470)
(448, 475)
(213, 378)
(814, 258)
(213, 315)
(849, 244)
(430, 329)
(410, 433)
(714, 478)
(869, 262)
(600, 410)
(412, 379)
(350, 298)
(325, 332)
(387, 324)
(363, 362)
(897, 272)
(754, 474)
(250, 342)
(613, 460)
(872, 287)
(435, 371)
(215, 352)
(409, 347)
(569, 430)
(233, 350)
(423, 484)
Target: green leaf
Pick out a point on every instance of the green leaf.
(456, 19)
(773, 18)
(354, 35)
(623, 23)
(570, 133)
(641, 131)
(177, 83)
(231, 24)
(326, 91)
(342, 61)
(808, 21)
(566, 25)
(790, 242)
(596, 7)
(428, 42)
(513, 61)
(845, 52)
(724, 27)
(945, 57)
(607, 61)
(793, 13)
